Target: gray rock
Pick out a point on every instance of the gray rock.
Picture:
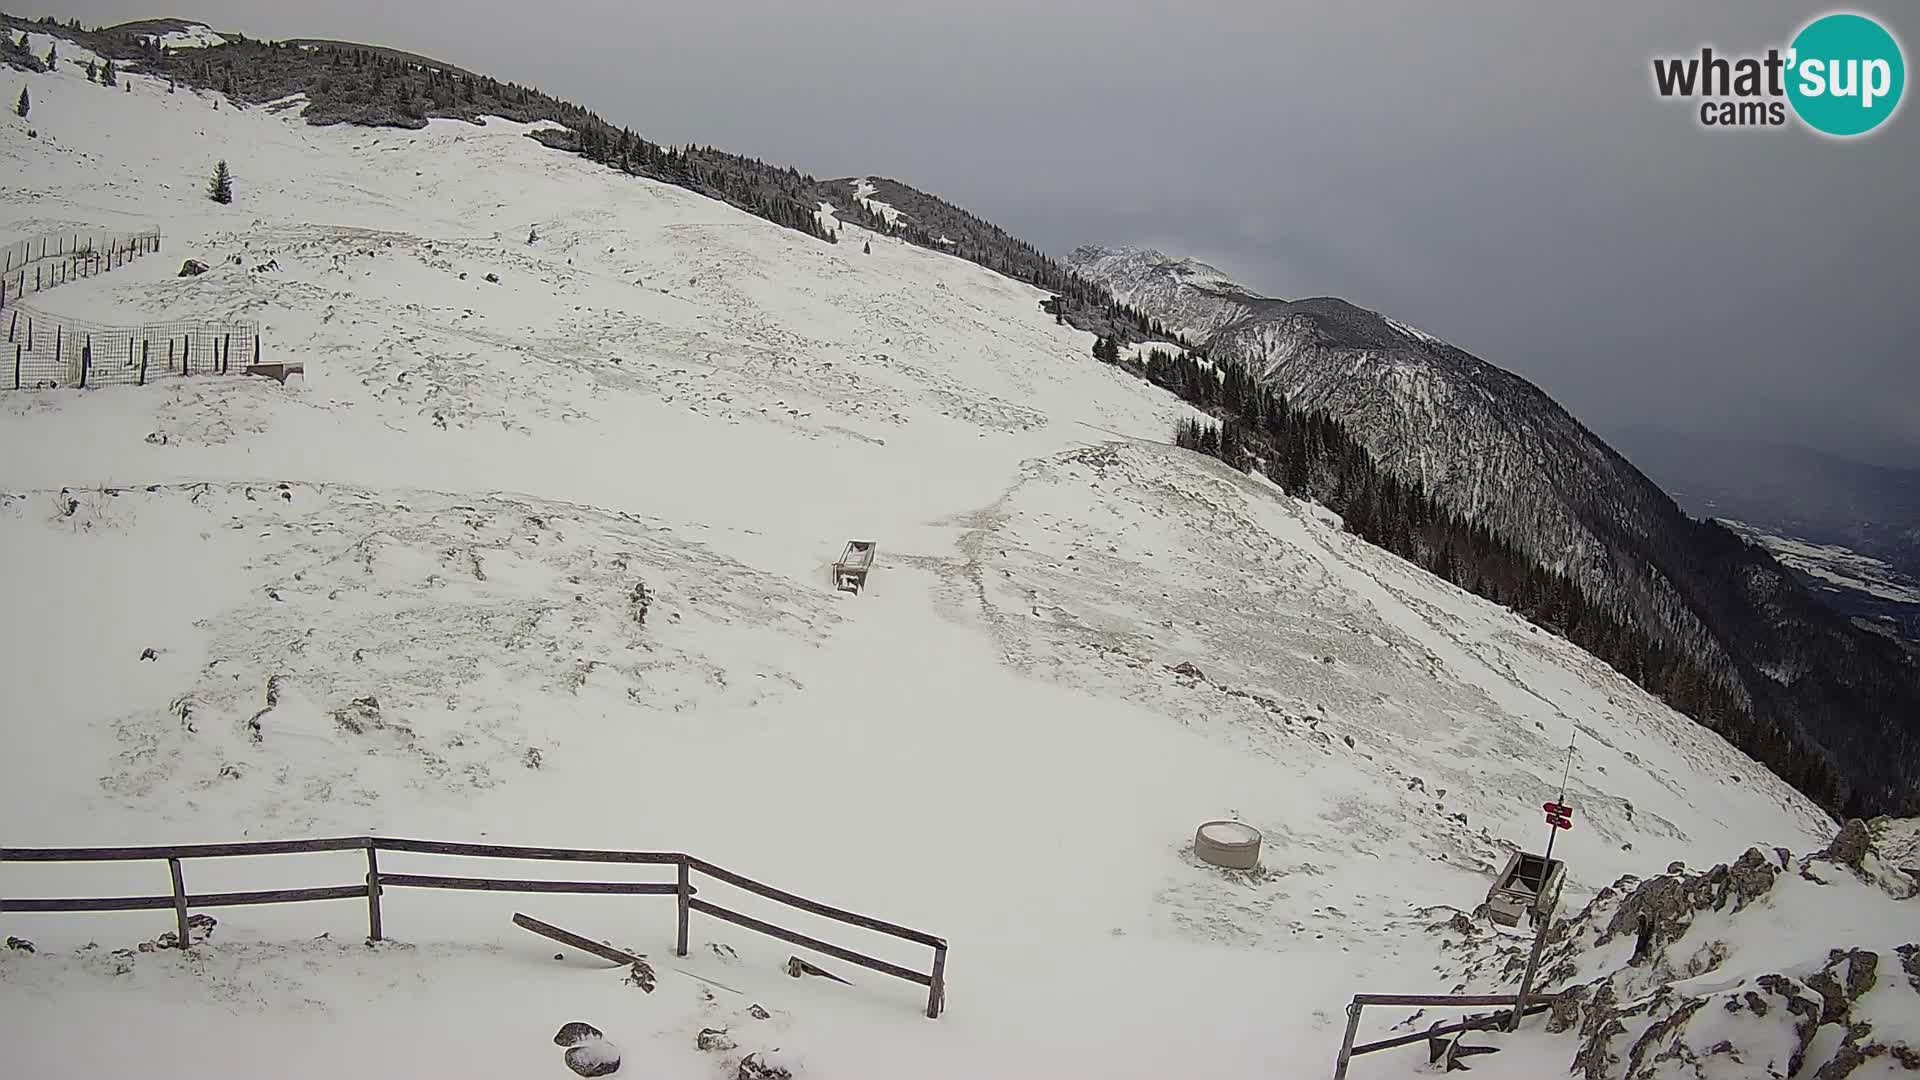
(1850, 845)
(595, 1057)
(193, 268)
(752, 1068)
(575, 1033)
(640, 975)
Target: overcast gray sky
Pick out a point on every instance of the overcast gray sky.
(1497, 173)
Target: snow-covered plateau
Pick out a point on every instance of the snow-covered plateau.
(546, 561)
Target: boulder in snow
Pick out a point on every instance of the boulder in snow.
(753, 1068)
(575, 1033)
(192, 268)
(595, 1057)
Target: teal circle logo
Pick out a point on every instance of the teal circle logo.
(1846, 75)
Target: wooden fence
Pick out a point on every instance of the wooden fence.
(1511, 1002)
(39, 264)
(682, 888)
(50, 352)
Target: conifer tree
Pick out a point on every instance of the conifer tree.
(221, 189)
(53, 54)
(865, 249)
(21, 107)
(93, 71)
(107, 75)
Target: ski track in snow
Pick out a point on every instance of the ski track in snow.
(397, 596)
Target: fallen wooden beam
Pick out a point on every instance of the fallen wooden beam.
(797, 967)
(568, 937)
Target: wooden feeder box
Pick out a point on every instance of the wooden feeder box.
(850, 573)
(1528, 888)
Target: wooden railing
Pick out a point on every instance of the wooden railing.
(682, 888)
(1348, 1051)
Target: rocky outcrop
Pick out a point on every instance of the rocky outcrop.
(1623, 967)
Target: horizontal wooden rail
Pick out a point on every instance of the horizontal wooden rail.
(815, 944)
(1485, 1023)
(181, 851)
(1436, 999)
(497, 851)
(805, 904)
(151, 903)
(434, 881)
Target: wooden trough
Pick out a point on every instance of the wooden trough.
(850, 573)
(276, 371)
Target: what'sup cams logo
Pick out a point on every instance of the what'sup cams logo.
(1842, 76)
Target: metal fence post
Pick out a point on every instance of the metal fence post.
(179, 900)
(373, 891)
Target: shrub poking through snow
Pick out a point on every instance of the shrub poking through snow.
(24, 105)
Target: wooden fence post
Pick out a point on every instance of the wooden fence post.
(937, 990)
(179, 900)
(373, 891)
(256, 348)
(226, 360)
(143, 362)
(1346, 1044)
(59, 335)
(685, 894)
(16, 365)
(86, 360)
(170, 356)
(13, 324)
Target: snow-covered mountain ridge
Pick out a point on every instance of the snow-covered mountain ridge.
(1495, 448)
(543, 560)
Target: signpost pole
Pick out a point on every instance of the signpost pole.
(1559, 816)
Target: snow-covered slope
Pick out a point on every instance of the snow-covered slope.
(1480, 439)
(404, 595)
(1496, 449)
